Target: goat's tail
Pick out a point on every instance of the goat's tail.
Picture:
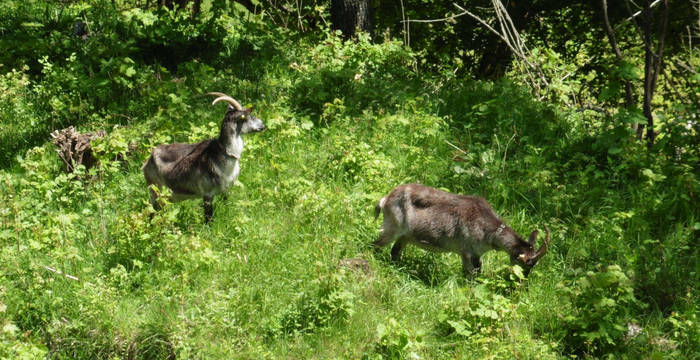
(378, 208)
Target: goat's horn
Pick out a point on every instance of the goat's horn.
(543, 249)
(228, 99)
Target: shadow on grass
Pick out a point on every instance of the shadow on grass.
(425, 267)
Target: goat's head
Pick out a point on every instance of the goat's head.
(525, 254)
(237, 120)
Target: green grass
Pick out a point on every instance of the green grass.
(262, 280)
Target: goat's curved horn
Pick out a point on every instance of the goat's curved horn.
(228, 99)
(543, 249)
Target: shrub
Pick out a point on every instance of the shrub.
(314, 310)
(395, 341)
(603, 303)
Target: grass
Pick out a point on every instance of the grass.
(262, 279)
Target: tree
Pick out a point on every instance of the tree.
(350, 15)
(654, 46)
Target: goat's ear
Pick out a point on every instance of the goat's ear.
(249, 110)
(230, 108)
(533, 237)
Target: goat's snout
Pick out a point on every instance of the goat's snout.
(255, 124)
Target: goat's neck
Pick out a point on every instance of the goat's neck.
(232, 144)
(503, 239)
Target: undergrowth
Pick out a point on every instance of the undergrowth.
(91, 271)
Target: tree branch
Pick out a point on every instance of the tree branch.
(59, 272)
(640, 11)
(629, 95)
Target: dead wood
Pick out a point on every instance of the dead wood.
(74, 148)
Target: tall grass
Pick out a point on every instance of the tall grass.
(347, 121)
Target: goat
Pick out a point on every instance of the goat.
(439, 221)
(207, 168)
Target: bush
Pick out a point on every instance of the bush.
(322, 307)
(603, 303)
(395, 341)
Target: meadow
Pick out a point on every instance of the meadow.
(90, 270)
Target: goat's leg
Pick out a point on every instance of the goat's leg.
(154, 198)
(476, 264)
(208, 208)
(396, 249)
(468, 263)
(385, 238)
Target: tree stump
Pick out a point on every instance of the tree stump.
(74, 148)
(360, 266)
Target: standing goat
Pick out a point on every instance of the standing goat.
(207, 168)
(443, 222)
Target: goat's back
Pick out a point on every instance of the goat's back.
(178, 166)
(431, 213)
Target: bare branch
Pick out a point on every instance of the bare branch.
(452, 17)
(640, 11)
(59, 272)
(610, 32)
(509, 34)
(404, 24)
(455, 146)
(593, 108)
(660, 50)
(685, 66)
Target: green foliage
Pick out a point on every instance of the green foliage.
(685, 331)
(395, 341)
(19, 126)
(482, 318)
(602, 303)
(329, 304)
(12, 344)
(358, 73)
(90, 270)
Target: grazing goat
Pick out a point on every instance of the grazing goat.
(203, 169)
(443, 222)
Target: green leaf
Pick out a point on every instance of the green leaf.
(130, 71)
(33, 25)
(459, 328)
(628, 72)
(518, 271)
(614, 150)
(653, 176)
(307, 125)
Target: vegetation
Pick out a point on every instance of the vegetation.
(91, 271)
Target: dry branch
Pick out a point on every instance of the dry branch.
(59, 272)
(510, 36)
(74, 148)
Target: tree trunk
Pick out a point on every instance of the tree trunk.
(494, 63)
(350, 15)
(652, 64)
(629, 94)
(196, 7)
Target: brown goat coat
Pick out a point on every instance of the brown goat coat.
(439, 221)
